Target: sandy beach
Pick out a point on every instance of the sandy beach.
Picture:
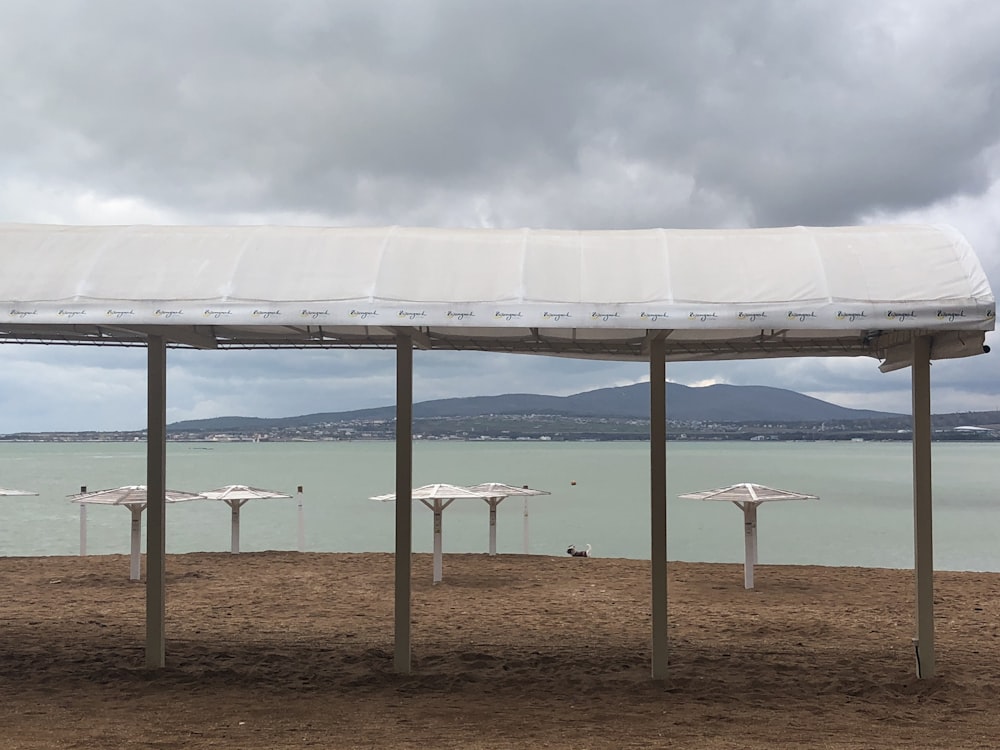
(290, 650)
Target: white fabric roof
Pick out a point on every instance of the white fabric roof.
(713, 294)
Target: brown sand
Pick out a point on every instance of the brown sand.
(288, 650)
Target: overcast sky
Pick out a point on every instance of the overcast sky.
(574, 114)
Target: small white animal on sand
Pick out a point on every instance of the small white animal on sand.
(574, 552)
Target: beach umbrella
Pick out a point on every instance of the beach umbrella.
(236, 496)
(134, 498)
(747, 497)
(437, 497)
(15, 493)
(498, 493)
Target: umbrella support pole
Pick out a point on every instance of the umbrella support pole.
(438, 506)
(235, 505)
(83, 530)
(134, 573)
(438, 550)
(749, 541)
(493, 502)
(526, 537)
(302, 523)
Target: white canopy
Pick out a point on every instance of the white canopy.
(721, 294)
(902, 294)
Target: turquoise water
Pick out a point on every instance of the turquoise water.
(863, 516)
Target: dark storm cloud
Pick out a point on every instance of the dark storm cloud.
(760, 112)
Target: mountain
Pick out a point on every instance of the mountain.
(713, 403)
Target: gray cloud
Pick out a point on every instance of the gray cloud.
(805, 113)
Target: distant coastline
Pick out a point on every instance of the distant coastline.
(548, 429)
(715, 412)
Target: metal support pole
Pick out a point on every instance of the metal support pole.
(234, 534)
(438, 509)
(493, 502)
(83, 524)
(749, 541)
(135, 549)
(404, 501)
(437, 506)
(923, 537)
(156, 489)
(658, 502)
(527, 543)
(302, 522)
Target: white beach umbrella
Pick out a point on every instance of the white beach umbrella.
(437, 497)
(15, 493)
(134, 498)
(747, 497)
(498, 493)
(236, 496)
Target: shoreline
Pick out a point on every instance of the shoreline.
(751, 436)
(535, 556)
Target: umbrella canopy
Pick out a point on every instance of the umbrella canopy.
(747, 492)
(133, 494)
(747, 496)
(498, 492)
(134, 498)
(15, 493)
(437, 492)
(437, 497)
(242, 492)
(499, 489)
(235, 496)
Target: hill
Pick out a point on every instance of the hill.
(714, 403)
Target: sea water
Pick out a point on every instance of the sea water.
(599, 496)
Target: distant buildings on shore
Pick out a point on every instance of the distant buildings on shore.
(541, 428)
